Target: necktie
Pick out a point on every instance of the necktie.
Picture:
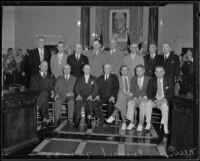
(159, 92)
(152, 57)
(106, 77)
(41, 55)
(165, 57)
(59, 59)
(126, 84)
(67, 77)
(140, 82)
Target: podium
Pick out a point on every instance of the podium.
(19, 120)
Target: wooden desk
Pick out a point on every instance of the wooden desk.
(19, 120)
(182, 123)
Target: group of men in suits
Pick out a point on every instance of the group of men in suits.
(93, 79)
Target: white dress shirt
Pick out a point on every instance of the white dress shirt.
(166, 55)
(112, 51)
(133, 56)
(106, 76)
(140, 81)
(86, 78)
(153, 55)
(41, 53)
(67, 76)
(125, 78)
(163, 95)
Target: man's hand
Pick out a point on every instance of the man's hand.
(52, 94)
(96, 98)
(56, 97)
(69, 94)
(78, 98)
(112, 99)
(129, 93)
(89, 98)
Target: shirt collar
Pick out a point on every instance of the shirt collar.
(167, 55)
(161, 79)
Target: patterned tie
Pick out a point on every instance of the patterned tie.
(159, 92)
(41, 55)
(126, 84)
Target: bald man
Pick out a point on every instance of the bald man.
(133, 59)
(64, 93)
(43, 83)
(77, 61)
(115, 57)
(85, 89)
(108, 90)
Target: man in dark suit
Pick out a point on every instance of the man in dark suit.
(108, 90)
(43, 83)
(77, 61)
(160, 90)
(64, 93)
(151, 60)
(139, 97)
(36, 56)
(170, 62)
(85, 90)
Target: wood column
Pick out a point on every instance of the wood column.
(153, 26)
(85, 26)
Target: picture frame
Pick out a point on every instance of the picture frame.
(119, 23)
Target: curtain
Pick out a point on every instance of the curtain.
(153, 26)
(85, 26)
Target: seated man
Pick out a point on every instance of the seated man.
(85, 89)
(64, 93)
(43, 83)
(138, 89)
(124, 95)
(108, 89)
(160, 90)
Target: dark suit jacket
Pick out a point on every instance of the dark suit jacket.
(168, 88)
(34, 60)
(135, 89)
(108, 88)
(64, 86)
(171, 65)
(150, 64)
(40, 84)
(84, 90)
(77, 66)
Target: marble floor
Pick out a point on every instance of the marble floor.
(103, 142)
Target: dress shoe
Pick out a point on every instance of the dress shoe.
(123, 127)
(76, 124)
(110, 119)
(130, 126)
(139, 128)
(148, 126)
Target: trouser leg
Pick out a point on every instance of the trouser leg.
(96, 109)
(148, 110)
(164, 111)
(110, 108)
(130, 110)
(142, 113)
(70, 104)
(77, 110)
(58, 106)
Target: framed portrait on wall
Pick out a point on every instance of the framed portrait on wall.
(119, 23)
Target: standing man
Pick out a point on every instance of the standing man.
(58, 61)
(133, 59)
(64, 93)
(151, 60)
(36, 56)
(108, 89)
(170, 62)
(115, 57)
(86, 90)
(160, 90)
(124, 95)
(43, 83)
(77, 61)
(139, 90)
(96, 58)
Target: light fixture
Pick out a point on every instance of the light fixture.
(79, 23)
(161, 23)
(93, 34)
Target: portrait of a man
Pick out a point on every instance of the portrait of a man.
(119, 23)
